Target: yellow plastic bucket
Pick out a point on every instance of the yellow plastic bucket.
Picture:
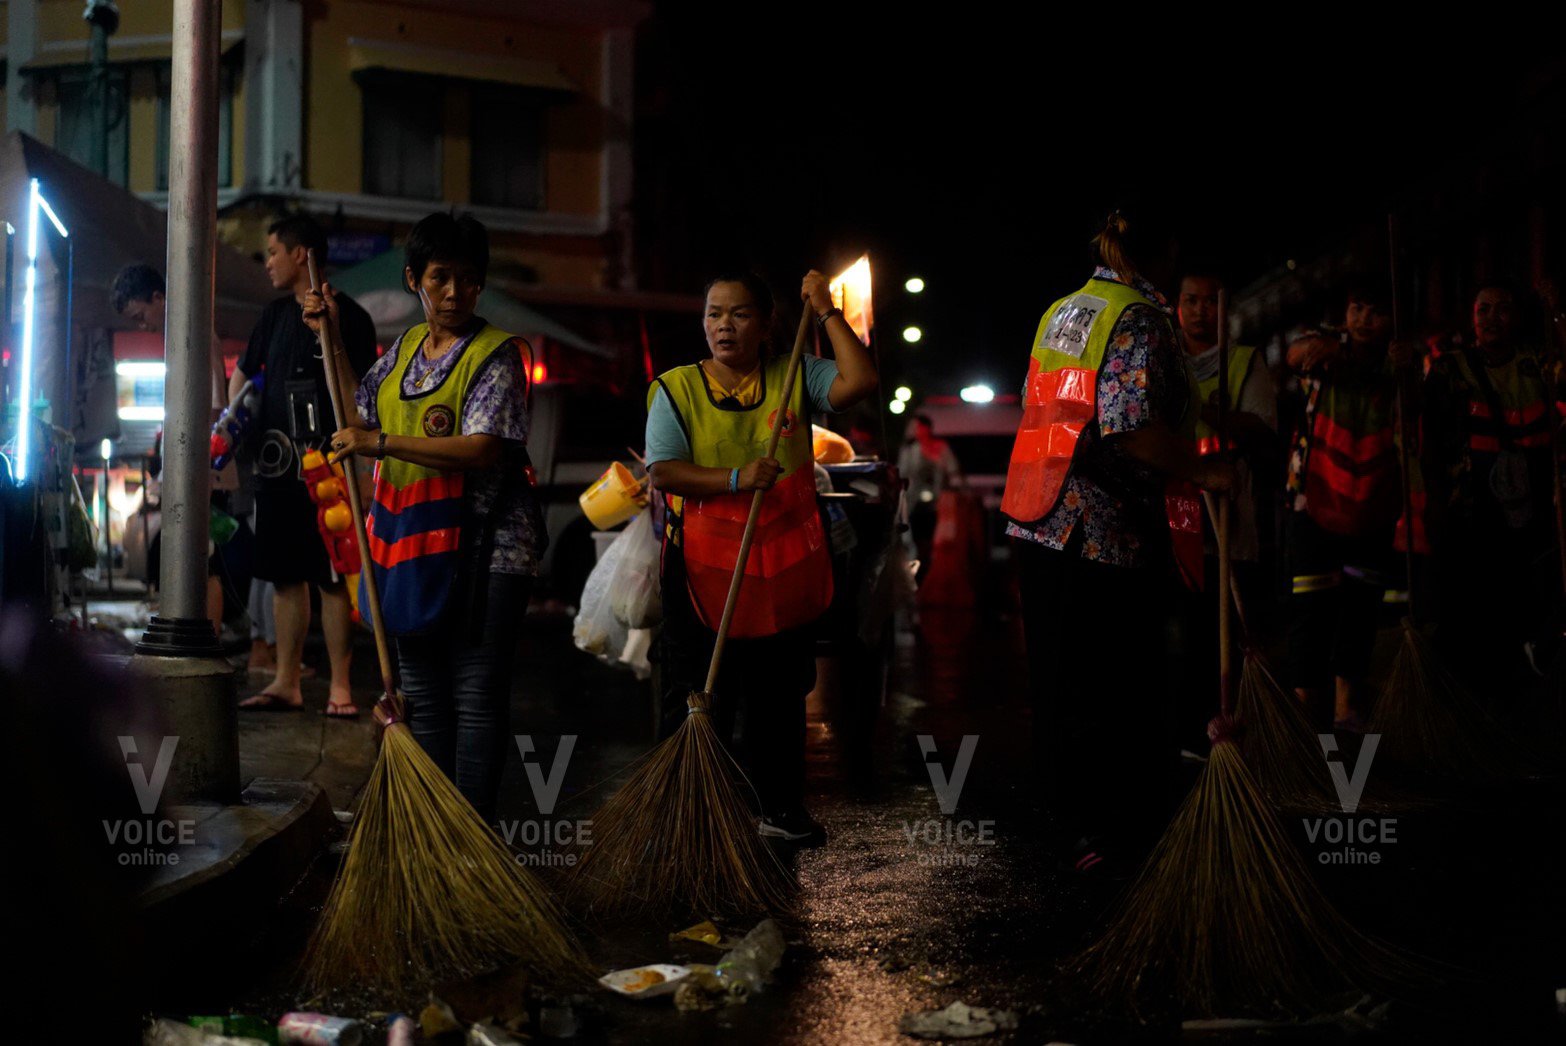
(611, 500)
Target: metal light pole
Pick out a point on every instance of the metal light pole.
(179, 649)
(104, 17)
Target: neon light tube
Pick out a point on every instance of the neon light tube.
(24, 416)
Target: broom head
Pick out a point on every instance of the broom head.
(1226, 916)
(680, 837)
(428, 891)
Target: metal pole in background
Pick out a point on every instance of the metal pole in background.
(179, 653)
(104, 17)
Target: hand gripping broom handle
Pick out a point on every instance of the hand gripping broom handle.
(331, 353)
(755, 502)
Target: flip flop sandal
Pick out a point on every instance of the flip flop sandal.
(272, 703)
(346, 710)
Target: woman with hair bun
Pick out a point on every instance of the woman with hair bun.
(1101, 436)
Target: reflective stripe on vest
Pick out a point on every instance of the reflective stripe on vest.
(416, 517)
(1351, 481)
(1240, 359)
(1525, 419)
(1060, 398)
(788, 577)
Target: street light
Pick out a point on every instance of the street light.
(912, 334)
(24, 428)
(915, 285)
(897, 406)
(903, 394)
(977, 394)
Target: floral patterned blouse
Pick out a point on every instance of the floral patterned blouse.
(1142, 379)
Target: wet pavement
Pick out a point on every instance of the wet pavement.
(911, 908)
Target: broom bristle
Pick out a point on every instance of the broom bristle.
(427, 890)
(1225, 913)
(679, 836)
(1283, 751)
(1428, 720)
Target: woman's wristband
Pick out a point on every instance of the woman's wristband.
(827, 316)
(734, 481)
(380, 445)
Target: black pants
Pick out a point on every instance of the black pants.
(1096, 653)
(759, 709)
(1336, 604)
(1196, 663)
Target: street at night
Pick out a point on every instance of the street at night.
(624, 521)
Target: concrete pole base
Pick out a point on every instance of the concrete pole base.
(199, 703)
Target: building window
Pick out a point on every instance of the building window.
(508, 154)
(226, 79)
(402, 147)
(73, 128)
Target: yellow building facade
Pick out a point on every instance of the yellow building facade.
(370, 115)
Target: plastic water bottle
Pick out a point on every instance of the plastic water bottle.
(751, 962)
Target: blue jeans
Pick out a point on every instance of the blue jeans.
(457, 680)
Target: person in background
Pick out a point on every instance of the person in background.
(296, 415)
(708, 425)
(456, 531)
(1102, 435)
(1344, 493)
(137, 295)
(1489, 422)
(1252, 425)
(929, 466)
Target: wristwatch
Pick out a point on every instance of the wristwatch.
(380, 445)
(824, 317)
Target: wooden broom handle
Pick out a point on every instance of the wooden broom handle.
(755, 502)
(331, 353)
(1225, 504)
(1405, 454)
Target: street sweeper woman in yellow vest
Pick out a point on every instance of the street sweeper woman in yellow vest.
(708, 425)
(455, 530)
(1104, 429)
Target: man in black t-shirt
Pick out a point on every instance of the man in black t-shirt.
(296, 415)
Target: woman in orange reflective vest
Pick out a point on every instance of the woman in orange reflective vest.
(1490, 423)
(456, 535)
(1102, 436)
(708, 425)
(1345, 495)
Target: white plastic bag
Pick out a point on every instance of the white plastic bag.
(636, 601)
(596, 631)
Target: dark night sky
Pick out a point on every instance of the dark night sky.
(985, 159)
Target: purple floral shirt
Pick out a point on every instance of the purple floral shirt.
(495, 405)
(1140, 381)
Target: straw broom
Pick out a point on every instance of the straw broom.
(1426, 718)
(426, 890)
(679, 834)
(1225, 911)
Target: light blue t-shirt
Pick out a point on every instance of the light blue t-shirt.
(666, 437)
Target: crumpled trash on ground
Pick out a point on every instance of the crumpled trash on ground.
(482, 1034)
(702, 933)
(164, 1032)
(957, 1021)
(437, 1019)
(749, 965)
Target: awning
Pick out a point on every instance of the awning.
(367, 55)
(123, 50)
(376, 284)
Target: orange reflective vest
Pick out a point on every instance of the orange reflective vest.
(788, 577)
(1346, 464)
(1060, 399)
(416, 519)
